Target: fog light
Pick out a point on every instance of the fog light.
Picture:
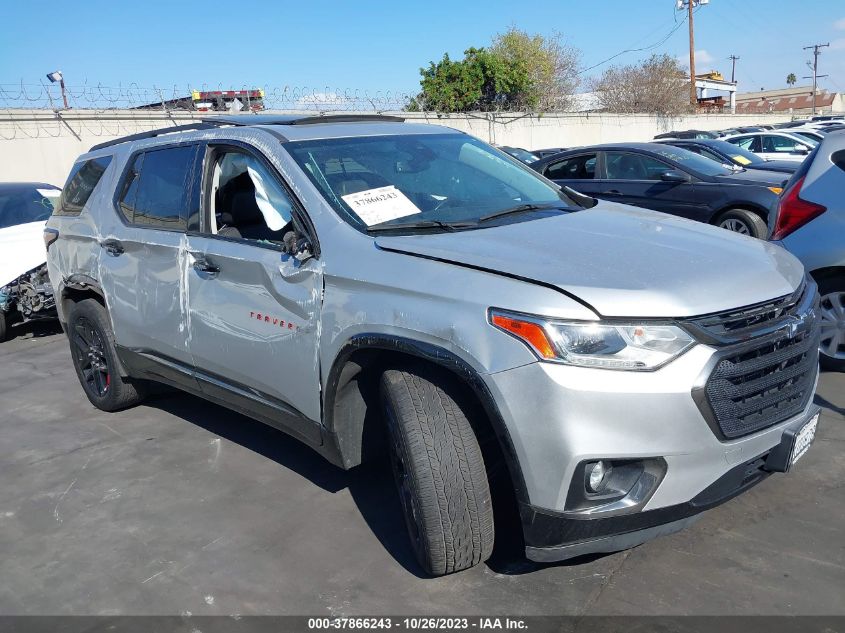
(598, 475)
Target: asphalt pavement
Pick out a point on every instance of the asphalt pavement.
(179, 506)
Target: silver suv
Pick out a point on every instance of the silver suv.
(379, 287)
(810, 223)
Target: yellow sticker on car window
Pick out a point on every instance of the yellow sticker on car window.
(742, 160)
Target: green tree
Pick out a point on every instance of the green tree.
(482, 80)
(551, 64)
(657, 85)
(517, 72)
(791, 79)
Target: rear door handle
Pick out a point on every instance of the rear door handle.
(113, 247)
(202, 265)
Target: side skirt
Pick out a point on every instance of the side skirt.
(239, 398)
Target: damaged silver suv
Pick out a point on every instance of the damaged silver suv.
(373, 286)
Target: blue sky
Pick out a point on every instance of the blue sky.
(380, 46)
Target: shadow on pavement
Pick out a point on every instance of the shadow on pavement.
(35, 329)
(371, 485)
(823, 402)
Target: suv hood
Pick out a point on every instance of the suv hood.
(622, 261)
(21, 250)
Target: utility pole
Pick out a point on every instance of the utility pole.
(816, 74)
(733, 59)
(689, 5)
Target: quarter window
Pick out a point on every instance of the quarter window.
(575, 168)
(80, 185)
(628, 166)
(158, 188)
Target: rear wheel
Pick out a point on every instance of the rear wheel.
(832, 346)
(439, 472)
(95, 360)
(743, 222)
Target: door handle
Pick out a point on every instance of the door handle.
(202, 265)
(612, 192)
(113, 247)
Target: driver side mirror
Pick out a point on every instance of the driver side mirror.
(802, 150)
(673, 175)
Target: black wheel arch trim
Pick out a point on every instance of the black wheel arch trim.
(350, 452)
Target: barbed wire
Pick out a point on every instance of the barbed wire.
(99, 97)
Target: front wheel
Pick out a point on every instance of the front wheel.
(439, 472)
(743, 222)
(832, 345)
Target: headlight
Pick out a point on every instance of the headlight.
(631, 346)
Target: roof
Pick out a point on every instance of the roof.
(782, 101)
(33, 185)
(295, 127)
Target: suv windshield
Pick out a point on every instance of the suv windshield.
(427, 180)
(21, 204)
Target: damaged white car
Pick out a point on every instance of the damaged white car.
(25, 290)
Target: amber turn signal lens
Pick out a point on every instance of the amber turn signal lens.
(531, 333)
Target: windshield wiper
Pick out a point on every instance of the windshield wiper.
(521, 208)
(422, 224)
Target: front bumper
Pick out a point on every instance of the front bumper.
(560, 416)
(551, 536)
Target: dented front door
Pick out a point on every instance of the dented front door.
(253, 321)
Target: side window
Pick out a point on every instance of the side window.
(780, 144)
(80, 185)
(746, 142)
(576, 168)
(247, 200)
(157, 190)
(628, 166)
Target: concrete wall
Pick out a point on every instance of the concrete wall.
(41, 145)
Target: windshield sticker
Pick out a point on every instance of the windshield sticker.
(742, 160)
(383, 204)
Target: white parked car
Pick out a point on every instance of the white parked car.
(25, 291)
(774, 145)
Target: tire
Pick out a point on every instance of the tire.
(439, 472)
(743, 222)
(95, 360)
(832, 291)
(4, 331)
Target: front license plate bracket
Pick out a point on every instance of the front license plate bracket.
(794, 443)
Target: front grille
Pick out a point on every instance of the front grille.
(740, 324)
(759, 381)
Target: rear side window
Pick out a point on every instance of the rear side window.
(838, 159)
(158, 188)
(80, 185)
(575, 168)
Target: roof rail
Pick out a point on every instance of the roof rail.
(298, 119)
(200, 125)
(251, 119)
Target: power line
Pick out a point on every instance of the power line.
(637, 50)
(733, 59)
(816, 75)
